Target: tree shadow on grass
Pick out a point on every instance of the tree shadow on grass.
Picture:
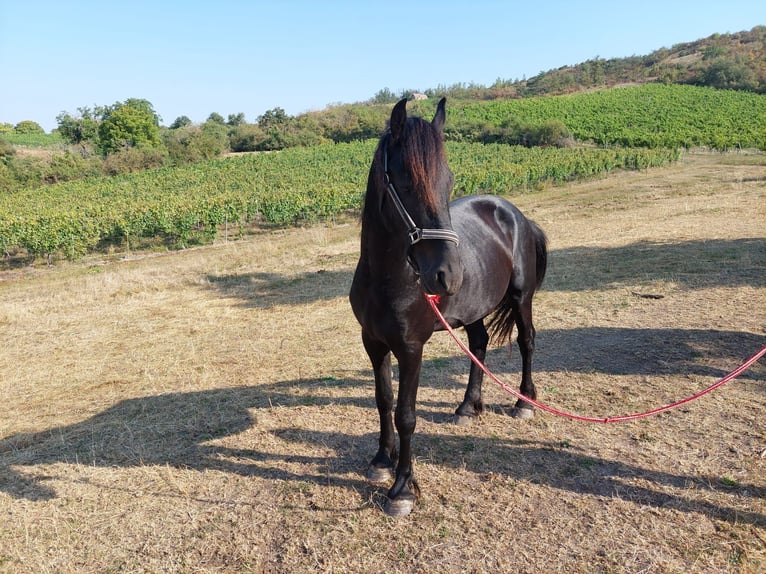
(173, 429)
(564, 468)
(628, 351)
(180, 430)
(617, 352)
(265, 290)
(694, 264)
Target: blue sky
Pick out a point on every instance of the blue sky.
(194, 58)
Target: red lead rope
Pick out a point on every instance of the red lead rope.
(433, 300)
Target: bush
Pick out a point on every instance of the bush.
(7, 178)
(247, 137)
(70, 166)
(196, 143)
(21, 172)
(135, 159)
(6, 149)
(548, 133)
(727, 74)
(553, 133)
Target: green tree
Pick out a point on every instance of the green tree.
(133, 123)
(713, 52)
(216, 118)
(145, 106)
(273, 118)
(384, 96)
(80, 129)
(180, 122)
(28, 127)
(236, 120)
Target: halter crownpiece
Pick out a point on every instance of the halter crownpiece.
(414, 233)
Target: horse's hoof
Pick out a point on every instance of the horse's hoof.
(463, 420)
(522, 413)
(380, 475)
(399, 507)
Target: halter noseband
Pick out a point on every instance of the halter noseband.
(414, 233)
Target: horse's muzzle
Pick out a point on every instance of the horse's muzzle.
(443, 280)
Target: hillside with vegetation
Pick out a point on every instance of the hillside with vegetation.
(103, 139)
(724, 61)
(112, 177)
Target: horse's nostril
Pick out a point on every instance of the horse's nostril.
(448, 282)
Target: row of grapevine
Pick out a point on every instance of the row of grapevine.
(191, 203)
(502, 169)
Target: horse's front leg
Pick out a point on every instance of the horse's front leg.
(381, 468)
(404, 492)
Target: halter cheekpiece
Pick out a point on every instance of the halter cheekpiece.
(414, 233)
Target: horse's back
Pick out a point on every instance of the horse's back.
(499, 247)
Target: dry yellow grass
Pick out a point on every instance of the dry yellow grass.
(211, 410)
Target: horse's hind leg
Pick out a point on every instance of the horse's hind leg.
(473, 405)
(526, 340)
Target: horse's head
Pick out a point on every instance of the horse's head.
(414, 190)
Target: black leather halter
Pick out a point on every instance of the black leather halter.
(414, 233)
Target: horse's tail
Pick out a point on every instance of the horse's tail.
(503, 319)
(541, 249)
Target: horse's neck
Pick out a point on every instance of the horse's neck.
(384, 253)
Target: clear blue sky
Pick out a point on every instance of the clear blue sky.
(193, 58)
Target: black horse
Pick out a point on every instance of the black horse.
(479, 254)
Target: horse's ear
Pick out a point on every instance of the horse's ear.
(398, 119)
(440, 115)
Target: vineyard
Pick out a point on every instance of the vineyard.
(33, 140)
(652, 115)
(195, 203)
(633, 127)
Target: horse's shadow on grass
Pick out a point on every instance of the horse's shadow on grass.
(180, 430)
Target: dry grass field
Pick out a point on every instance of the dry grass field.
(212, 410)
